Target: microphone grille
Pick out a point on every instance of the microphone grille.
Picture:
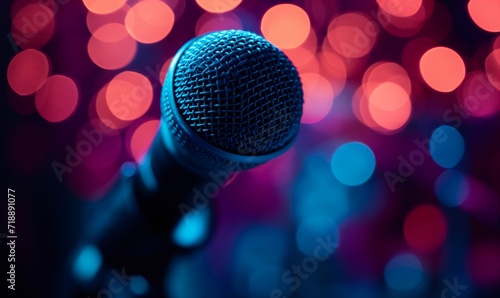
(238, 92)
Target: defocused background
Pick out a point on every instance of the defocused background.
(391, 190)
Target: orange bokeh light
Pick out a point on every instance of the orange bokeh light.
(33, 26)
(27, 71)
(350, 66)
(103, 6)
(111, 47)
(442, 69)
(485, 13)
(352, 34)
(383, 72)
(95, 21)
(149, 21)
(361, 110)
(318, 97)
(57, 99)
(142, 138)
(210, 22)
(383, 100)
(218, 6)
(492, 67)
(389, 106)
(129, 95)
(334, 68)
(303, 54)
(104, 113)
(408, 25)
(400, 8)
(286, 26)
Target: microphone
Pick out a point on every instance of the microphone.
(231, 101)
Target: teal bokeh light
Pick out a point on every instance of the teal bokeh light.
(87, 263)
(404, 272)
(314, 232)
(447, 146)
(451, 188)
(139, 285)
(353, 163)
(193, 228)
(316, 191)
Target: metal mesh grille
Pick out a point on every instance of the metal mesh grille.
(239, 93)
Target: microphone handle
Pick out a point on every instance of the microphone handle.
(132, 226)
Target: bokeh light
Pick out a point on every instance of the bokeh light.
(353, 66)
(139, 285)
(149, 21)
(57, 99)
(492, 67)
(193, 228)
(210, 22)
(399, 20)
(353, 163)
(87, 263)
(27, 71)
(400, 8)
(316, 230)
(286, 26)
(318, 97)
(142, 137)
(129, 95)
(333, 66)
(404, 272)
(383, 100)
(485, 14)
(451, 188)
(104, 113)
(352, 34)
(111, 47)
(103, 6)
(425, 228)
(218, 6)
(442, 69)
(361, 110)
(389, 106)
(317, 192)
(478, 96)
(303, 57)
(447, 146)
(95, 21)
(33, 26)
(256, 247)
(385, 72)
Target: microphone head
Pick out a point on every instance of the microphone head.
(231, 100)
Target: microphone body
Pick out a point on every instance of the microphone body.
(231, 101)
